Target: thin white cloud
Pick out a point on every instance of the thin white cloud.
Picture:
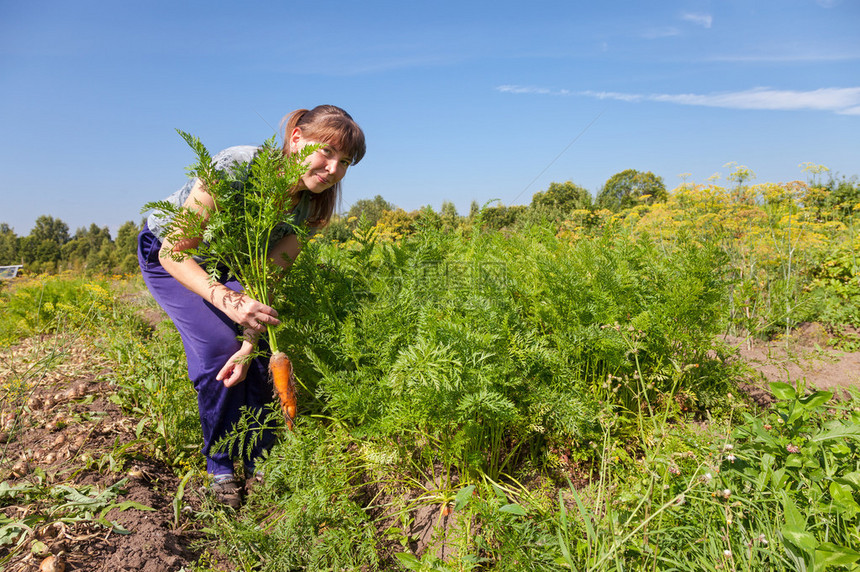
(704, 20)
(531, 90)
(844, 101)
(841, 100)
(629, 97)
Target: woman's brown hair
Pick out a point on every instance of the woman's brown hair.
(331, 125)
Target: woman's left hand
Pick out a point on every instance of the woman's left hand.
(236, 368)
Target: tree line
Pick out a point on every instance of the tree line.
(836, 198)
(557, 202)
(51, 248)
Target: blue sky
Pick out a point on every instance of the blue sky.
(460, 101)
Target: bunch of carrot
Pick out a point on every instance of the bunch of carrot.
(237, 233)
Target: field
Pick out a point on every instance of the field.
(669, 388)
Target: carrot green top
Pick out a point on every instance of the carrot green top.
(229, 160)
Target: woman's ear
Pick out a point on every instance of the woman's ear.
(295, 138)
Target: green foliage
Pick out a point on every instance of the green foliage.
(495, 347)
(49, 249)
(8, 246)
(477, 357)
(627, 188)
(449, 215)
(500, 216)
(59, 503)
(126, 247)
(838, 198)
(788, 264)
(152, 379)
(92, 246)
(511, 536)
(51, 304)
(44, 244)
(408, 355)
(49, 229)
(805, 453)
(442, 364)
(560, 199)
(778, 491)
(337, 229)
(835, 285)
(372, 209)
(305, 517)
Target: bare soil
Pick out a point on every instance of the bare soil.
(68, 433)
(806, 358)
(68, 429)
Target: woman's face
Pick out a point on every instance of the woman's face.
(326, 166)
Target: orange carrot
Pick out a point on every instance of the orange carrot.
(281, 372)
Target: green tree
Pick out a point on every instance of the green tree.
(337, 229)
(628, 188)
(426, 217)
(500, 217)
(474, 209)
(8, 245)
(126, 246)
(43, 246)
(838, 198)
(450, 218)
(372, 209)
(50, 229)
(126, 238)
(561, 198)
(89, 249)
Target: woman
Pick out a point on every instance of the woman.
(211, 317)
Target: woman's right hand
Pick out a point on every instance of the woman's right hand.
(245, 311)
